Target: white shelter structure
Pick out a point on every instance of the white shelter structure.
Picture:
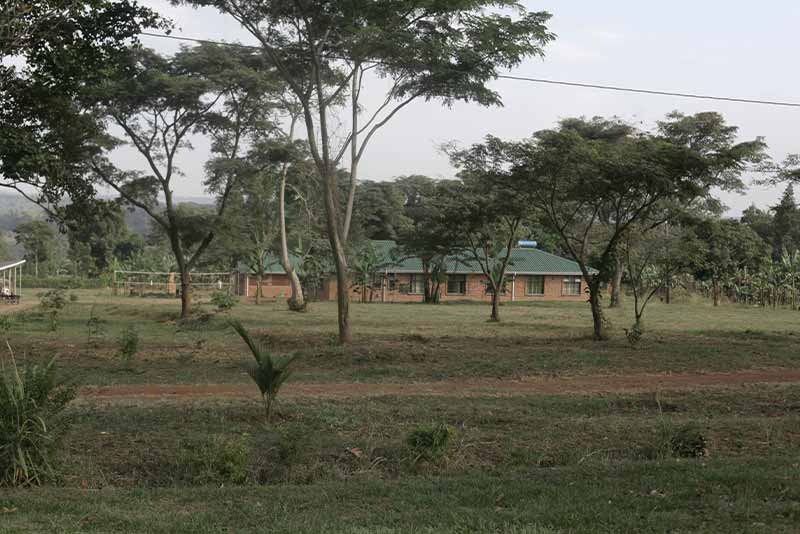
(11, 281)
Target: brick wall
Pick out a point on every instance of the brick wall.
(476, 290)
(276, 286)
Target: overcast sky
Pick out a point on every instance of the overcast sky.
(718, 47)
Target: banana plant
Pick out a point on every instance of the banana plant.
(790, 262)
(269, 372)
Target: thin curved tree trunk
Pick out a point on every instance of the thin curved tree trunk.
(297, 301)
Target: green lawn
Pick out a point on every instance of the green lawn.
(402, 342)
(713, 460)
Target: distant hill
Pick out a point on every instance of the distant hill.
(16, 209)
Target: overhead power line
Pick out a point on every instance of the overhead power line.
(546, 81)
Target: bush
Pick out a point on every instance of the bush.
(223, 301)
(430, 443)
(73, 297)
(31, 426)
(217, 460)
(688, 441)
(129, 344)
(6, 324)
(54, 299)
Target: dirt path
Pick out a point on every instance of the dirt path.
(579, 385)
(8, 309)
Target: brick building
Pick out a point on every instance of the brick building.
(532, 275)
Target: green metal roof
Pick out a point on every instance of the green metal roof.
(523, 261)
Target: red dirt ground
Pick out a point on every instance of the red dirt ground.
(579, 385)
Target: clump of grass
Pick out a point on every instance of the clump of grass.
(217, 460)
(128, 344)
(73, 297)
(31, 426)
(688, 441)
(224, 301)
(430, 442)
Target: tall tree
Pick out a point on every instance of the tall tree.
(596, 179)
(38, 239)
(785, 224)
(445, 51)
(428, 236)
(224, 94)
(49, 51)
(487, 215)
(729, 247)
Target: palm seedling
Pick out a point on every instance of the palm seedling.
(268, 372)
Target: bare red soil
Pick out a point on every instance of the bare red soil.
(578, 385)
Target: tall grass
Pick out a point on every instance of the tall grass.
(31, 402)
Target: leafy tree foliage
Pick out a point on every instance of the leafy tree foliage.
(38, 239)
(594, 180)
(445, 51)
(730, 247)
(49, 51)
(224, 94)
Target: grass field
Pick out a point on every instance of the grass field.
(722, 459)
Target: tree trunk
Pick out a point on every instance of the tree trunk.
(616, 285)
(495, 306)
(186, 294)
(259, 281)
(297, 301)
(597, 313)
(668, 291)
(715, 291)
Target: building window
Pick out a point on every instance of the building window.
(417, 286)
(534, 285)
(572, 286)
(391, 282)
(457, 284)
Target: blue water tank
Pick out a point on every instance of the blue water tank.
(528, 244)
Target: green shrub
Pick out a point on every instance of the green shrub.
(6, 324)
(688, 441)
(54, 299)
(129, 344)
(73, 297)
(430, 442)
(31, 425)
(95, 329)
(223, 300)
(269, 373)
(217, 460)
(634, 335)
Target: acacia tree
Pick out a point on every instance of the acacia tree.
(323, 49)
(595, 179)
(224, 94)
(49, 51)
(427, 236)
(653, 258)
(486, 215)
